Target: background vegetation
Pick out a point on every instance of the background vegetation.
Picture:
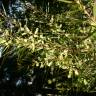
(47, 47)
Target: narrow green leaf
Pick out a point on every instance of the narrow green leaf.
(65, 1)
(94, 9)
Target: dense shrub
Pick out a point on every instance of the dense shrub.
(49, 45)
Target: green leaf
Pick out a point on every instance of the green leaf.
(2, 41)
(65, 1)
(94, 9)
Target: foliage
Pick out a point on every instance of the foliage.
(60, 39)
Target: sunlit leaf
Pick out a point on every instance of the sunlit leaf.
(70, 73)
(94, 9)
(85, 82)
(49, 81)
(65, 1)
